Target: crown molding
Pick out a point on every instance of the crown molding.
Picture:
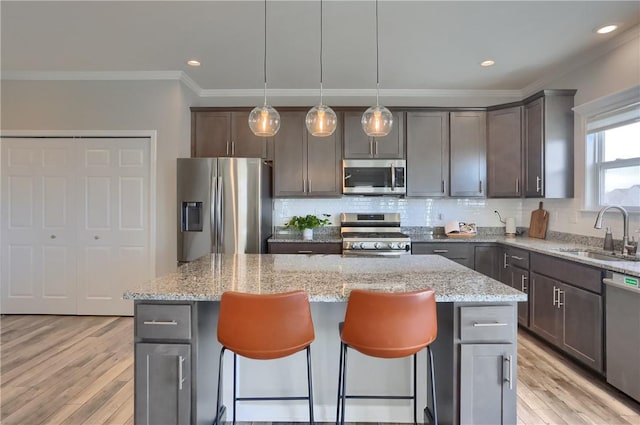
(355, 93)
(575, 63)
(92, 75)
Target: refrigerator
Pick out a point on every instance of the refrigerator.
(224, 206)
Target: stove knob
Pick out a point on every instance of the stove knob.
(394, 245)
(356, 245)
(378, 245)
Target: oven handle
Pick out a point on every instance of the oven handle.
(393, 177)
(348, 252)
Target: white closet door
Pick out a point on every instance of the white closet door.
(38, 227)
(113, 223)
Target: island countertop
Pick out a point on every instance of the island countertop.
(326, 278)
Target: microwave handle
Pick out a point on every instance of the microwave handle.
(393, 177)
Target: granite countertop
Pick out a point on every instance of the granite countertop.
(326, 278)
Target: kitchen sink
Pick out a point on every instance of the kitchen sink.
(604, 256)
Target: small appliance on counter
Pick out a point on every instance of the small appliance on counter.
(510, 225)
(373, 234)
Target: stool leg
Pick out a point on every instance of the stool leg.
(344, 382)
(235, 393)
(434, 408)
(338, 401)
(219, 401)
(415, 385)
(310, 385)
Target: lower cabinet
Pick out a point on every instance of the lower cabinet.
(460, 252)
(487, 261)
(163, 383)
(488, 384)
(566, 308)
(305, 248)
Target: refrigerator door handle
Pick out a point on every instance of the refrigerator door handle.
(219, 210)
(212, 215)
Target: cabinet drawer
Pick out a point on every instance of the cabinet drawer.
(163, 321)
(454, 250)
(305, 248)
(487, 324)
(518, 258)
(575, 274)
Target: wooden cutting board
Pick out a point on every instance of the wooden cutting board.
(538, 225)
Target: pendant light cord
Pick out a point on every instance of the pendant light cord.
(320, 52)
(264, 69)
(377, 60)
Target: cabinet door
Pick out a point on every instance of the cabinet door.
(290, 165)
(391, 145)
(163, 384)
(356, 143)
(545, 317)
(245, 144)
(520, 281)
(533, 146)
(211, 134)
(468, 156)
(582, 320)
(488, 384)
(504, 153)
(305, 248)
(427, 153)
(487, 261)
(324, 170)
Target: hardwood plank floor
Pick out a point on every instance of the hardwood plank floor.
(79, 370)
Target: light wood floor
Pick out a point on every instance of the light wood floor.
(79, 370)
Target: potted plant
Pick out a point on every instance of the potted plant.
(307, 223)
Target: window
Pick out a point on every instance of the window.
(613, 145)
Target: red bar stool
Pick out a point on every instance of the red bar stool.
(264, 327)
(389, 325)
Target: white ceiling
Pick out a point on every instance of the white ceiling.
(424, 45)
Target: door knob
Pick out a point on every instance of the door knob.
(52, 236)
(96, 237)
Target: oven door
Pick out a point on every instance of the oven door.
(374, 253)
(375, 176)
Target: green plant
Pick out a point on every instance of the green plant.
(309, 221)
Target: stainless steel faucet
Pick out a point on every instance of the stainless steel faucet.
(625, 230)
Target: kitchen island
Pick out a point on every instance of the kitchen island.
(176, 348)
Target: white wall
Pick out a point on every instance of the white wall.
(113, 105)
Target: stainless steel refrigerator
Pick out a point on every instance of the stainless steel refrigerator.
(224, 206)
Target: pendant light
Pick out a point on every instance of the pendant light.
(377, 120)
(264, 121)
(321, 120)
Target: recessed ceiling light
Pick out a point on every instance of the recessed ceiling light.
(606, 29)
(488, 62)
(193, 62)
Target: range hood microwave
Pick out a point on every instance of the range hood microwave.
(374, 177)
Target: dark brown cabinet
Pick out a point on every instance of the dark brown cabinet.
(567, 307)
(304, 165)
(357, 145)
(467, 141)
(515, 273)
(427, 153)
(548, 144)
(460, 252)
(487, 261)
(225, 133)
(305, 248)
(504, 153)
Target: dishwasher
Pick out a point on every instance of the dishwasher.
(622, 340)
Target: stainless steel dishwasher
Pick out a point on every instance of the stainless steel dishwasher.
(622, 344)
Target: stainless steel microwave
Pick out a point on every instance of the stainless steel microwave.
(374, 176)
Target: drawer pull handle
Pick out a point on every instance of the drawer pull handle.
(161, 322)
(488, 325)
(440, 251)
(305, 252)
(515, 257)
(505, 265)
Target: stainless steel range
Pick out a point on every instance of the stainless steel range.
(373, 234)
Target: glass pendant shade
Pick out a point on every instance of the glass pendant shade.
(264, 121)
(377, 121)
(321, 121)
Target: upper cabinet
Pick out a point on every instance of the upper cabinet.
(467, 155)
(427, 153)
(357, 145)
(446, 153)
(304, 165)
(548, 144)
(224, 133)
(504, 153)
